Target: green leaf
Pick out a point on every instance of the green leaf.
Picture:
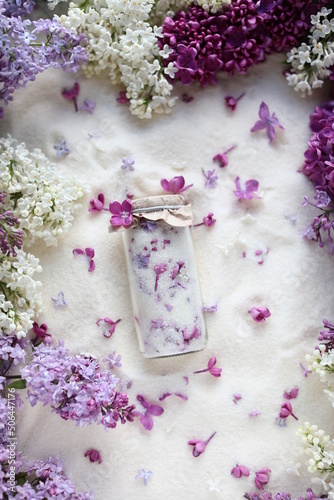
(17, 384)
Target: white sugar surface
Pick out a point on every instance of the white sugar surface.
(258, 361)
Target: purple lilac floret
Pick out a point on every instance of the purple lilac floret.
(145, 475)
(239, 471)
(259, 314)
(150, 410)
(121, 213)
(76, 387)
(221, 158)
(71, 94)
(286, 410)
(21, 58)
(291, 394)
(211, 178)
(61, 149)
(215, 371)
(97, 204)
(89, 253)
(111, 325)
(327, 337)
(175, 185)
(248, 192)
(319, 167)
(262, 477)
(88, 106)
(94, 455)
(232, 102)
(10, 233)
(199, 446)
(267, 122)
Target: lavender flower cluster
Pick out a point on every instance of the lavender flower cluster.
(279, 496)
(319, 167)
(28, 48)
(235, 38)
(75, 387)
(10, 236)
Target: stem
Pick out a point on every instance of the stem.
(209, 439)
(200, 224)
(229, 149)
(13, 376)
(202, 371)
(240, 96)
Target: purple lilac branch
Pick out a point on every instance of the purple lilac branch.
(22, 55)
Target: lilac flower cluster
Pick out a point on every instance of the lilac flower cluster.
(234, 39)
(23, 54)
(12, 352)
(75, 387)
(279, 496)
(319, 167)
(327, 337)
(39, 480)
(10, 236)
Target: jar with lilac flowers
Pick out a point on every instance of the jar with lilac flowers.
(164, 286)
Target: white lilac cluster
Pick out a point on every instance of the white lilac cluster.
(19, 293)
(122, 41)
(322, 362)
(320, 448)
(41, 200)
(311, 63)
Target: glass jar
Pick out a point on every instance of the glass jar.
(165, 293)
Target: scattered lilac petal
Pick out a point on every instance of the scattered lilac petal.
(199, 446)
(71, 94)
(221, 158)
(175, 185)
(239, 471)
(113, 360)
(108, 333)
(187, 98)
(262, 477)
(208, 221)
(121, 213)
(211, 178)
(122, 99)
(89, 252)
(286, 410)
(306, 371)
(97, 204)
(60, 300)
(255, 413)
(291, 394)
(231, 102)
(128, 163)
(61, 149)
(145, 475)
(266, 122)
(260, 314)
(94, 455)
(159, 269)
(250, 190)
(215, 372)
(236, 398)
(88, 106)
(151, 409)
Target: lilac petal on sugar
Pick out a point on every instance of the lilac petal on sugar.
(155, 410)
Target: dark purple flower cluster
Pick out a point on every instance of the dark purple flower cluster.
(319, 167)
(17, 7)
(75, 387)
(235, 38)
(22, 57)
(10, 236)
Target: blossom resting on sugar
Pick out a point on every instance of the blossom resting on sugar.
(89, 252)
(175, 185)
(199, 446)
(94, 455)
(291, 394)
(221, 158)
(260, 314)
(113, 360)
(215, 372)
(250, 190)
(145, 475)
(211, 178)
(61, 148)
(127, 163)
(262, 478)
(40, 332)
(110, 323)
(71, 94)
(231, 102)
(121, 213)
(266, 122)
(208, 221)
(286, 410)
(97, 204)
(150, 410)
(88, 106)
(239, 471)
(60, 300)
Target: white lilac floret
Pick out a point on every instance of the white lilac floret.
(42, 200)
(312, 62)
(19, 292)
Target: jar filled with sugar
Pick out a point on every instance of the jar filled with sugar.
(164, 287)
